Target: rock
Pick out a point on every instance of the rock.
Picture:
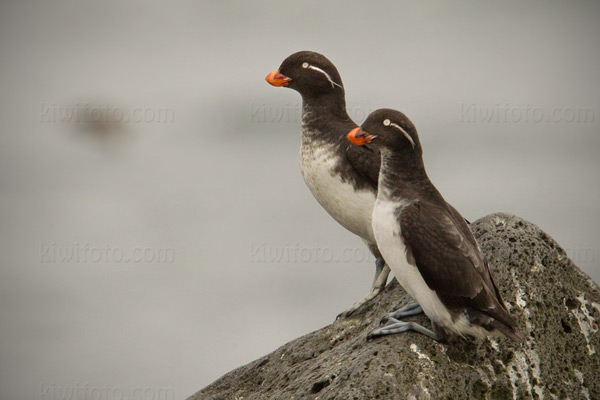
(556, 305)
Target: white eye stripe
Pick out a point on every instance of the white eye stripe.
(387, 122)
(333, 84)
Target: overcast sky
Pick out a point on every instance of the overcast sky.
(229, 254)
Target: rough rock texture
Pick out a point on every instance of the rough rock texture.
(556, 305)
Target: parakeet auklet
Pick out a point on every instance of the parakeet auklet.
(427, 243)
(341, 176)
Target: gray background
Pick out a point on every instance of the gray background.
(221, 179)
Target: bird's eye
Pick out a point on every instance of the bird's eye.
(305, 65)
(386, 122)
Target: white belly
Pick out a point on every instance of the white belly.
(386, 228)
(352, 209)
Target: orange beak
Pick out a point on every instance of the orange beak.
(276, 78)
(359, 137)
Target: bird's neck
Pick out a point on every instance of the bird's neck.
(403, 176)
(323, 109)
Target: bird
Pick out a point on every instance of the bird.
(342, 177)
(427, 243)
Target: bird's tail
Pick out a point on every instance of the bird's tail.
(510, 332)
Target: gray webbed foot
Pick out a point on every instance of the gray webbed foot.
(394, 326)
(406, 311)
(382, 272)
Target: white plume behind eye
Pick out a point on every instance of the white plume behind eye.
(333, 84)
(387, 122)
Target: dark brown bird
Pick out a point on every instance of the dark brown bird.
(342, 177)
(427, 243)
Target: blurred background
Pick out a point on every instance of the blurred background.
(156, 232)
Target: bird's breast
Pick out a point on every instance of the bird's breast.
(350, 207)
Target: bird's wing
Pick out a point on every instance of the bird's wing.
(456, 214)
(449, 259)
(366, 161)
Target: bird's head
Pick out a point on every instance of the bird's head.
(309, 73)
(387, 129)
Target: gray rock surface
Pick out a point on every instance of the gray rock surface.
(556, 305)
